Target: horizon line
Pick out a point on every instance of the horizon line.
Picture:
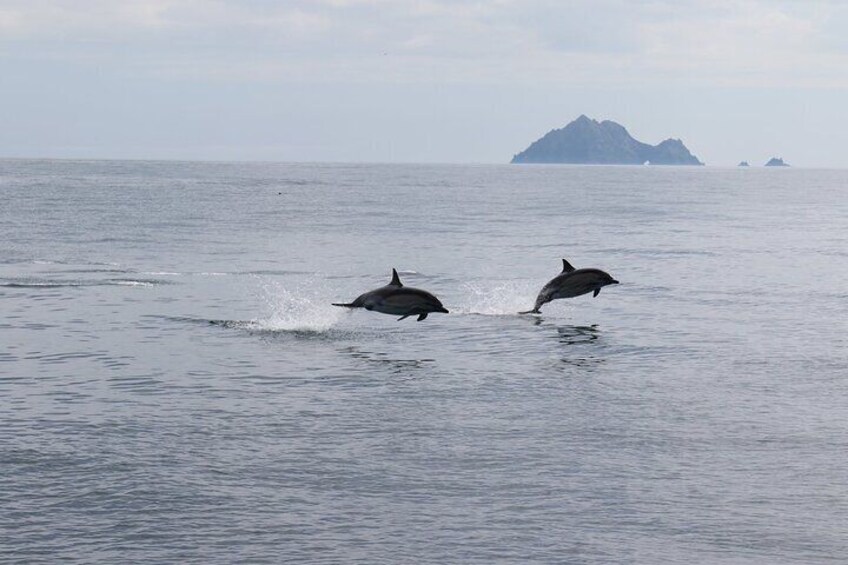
(367, 162)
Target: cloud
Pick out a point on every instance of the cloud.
(497, 41)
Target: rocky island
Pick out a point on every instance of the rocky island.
(776, 162)
(587, 141)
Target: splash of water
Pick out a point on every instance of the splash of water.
(299, 307)
(501, 299)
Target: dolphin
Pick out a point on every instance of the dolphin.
(398, 300)
(571, 282)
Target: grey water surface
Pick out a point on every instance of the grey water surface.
(175, 386)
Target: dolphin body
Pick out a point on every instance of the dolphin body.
(398, 300)
(571, 282)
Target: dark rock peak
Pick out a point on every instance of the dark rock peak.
(587, 141)
(743, 164)
(671, 142)
(776, 162)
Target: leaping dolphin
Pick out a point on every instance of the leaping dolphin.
(571, 282)
(398, 300)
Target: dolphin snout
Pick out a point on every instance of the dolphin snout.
(613, 281)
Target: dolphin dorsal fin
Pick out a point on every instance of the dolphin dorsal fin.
(395, 279)
(566, 266)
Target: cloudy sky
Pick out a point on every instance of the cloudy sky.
(419, 81)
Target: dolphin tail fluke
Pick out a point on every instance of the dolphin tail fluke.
(344, 305)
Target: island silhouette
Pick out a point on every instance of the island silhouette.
(776, 162)
(587, 141)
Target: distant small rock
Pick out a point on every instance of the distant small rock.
(743, 164)
(776, 162)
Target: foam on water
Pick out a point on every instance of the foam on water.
(135, 282)
(37, 283)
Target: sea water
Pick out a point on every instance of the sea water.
(175, 386)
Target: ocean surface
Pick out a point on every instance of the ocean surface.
(175, 386)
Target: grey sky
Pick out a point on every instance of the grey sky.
(419, 81)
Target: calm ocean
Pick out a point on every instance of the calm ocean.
(175, 386)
